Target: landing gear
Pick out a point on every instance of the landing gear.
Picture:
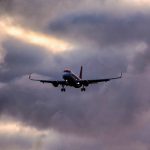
(63, 90)
(83, 89)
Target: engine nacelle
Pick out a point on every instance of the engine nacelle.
(55, 84)
(86, 83)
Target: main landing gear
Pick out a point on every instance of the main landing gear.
(63, 89)
(83, 89)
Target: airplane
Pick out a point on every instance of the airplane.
(70, 79)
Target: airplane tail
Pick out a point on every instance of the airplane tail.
(81, 69)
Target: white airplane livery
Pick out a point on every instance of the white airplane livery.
(70, 79)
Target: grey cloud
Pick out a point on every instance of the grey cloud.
(115, 111)
(80, 114)
(5, 6)
(103, 29)
(70, 113)
(142, 61)
(20, 59)
(15, 141)
(47, 10)
(108, 115)
(107, 33)
(45, 142)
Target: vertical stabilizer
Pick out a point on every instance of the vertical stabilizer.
(80, 76)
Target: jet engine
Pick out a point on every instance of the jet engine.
(55, 84)
(86, 83)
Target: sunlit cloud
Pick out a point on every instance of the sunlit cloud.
(7, 27)
(34, 139)
(138, 3)
(12, 127)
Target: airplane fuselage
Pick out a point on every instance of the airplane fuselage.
(71, 79)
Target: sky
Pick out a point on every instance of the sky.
(45, 36)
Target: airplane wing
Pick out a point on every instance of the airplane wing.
(98, 80)
(54, 82)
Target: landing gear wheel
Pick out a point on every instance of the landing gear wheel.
(83, 89)
(63, 90)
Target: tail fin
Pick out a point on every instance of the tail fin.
(81, 69)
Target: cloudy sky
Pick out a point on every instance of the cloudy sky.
(45, 36)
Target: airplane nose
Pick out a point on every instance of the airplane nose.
(65, 76)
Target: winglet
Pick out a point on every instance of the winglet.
(121, 75)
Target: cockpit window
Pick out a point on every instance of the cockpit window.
(67, 71)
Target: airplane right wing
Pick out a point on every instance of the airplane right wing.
(84, 82)
(54, 82)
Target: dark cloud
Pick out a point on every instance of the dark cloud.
(86, 115)
(142, 61)
(19, 142)
(110, 113)
(20, 59)
(104, 29)
(26, 14)
(76, 113)
(108, 33)
(5, 6)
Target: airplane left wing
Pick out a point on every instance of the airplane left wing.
(86, 82)
(54, 82)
